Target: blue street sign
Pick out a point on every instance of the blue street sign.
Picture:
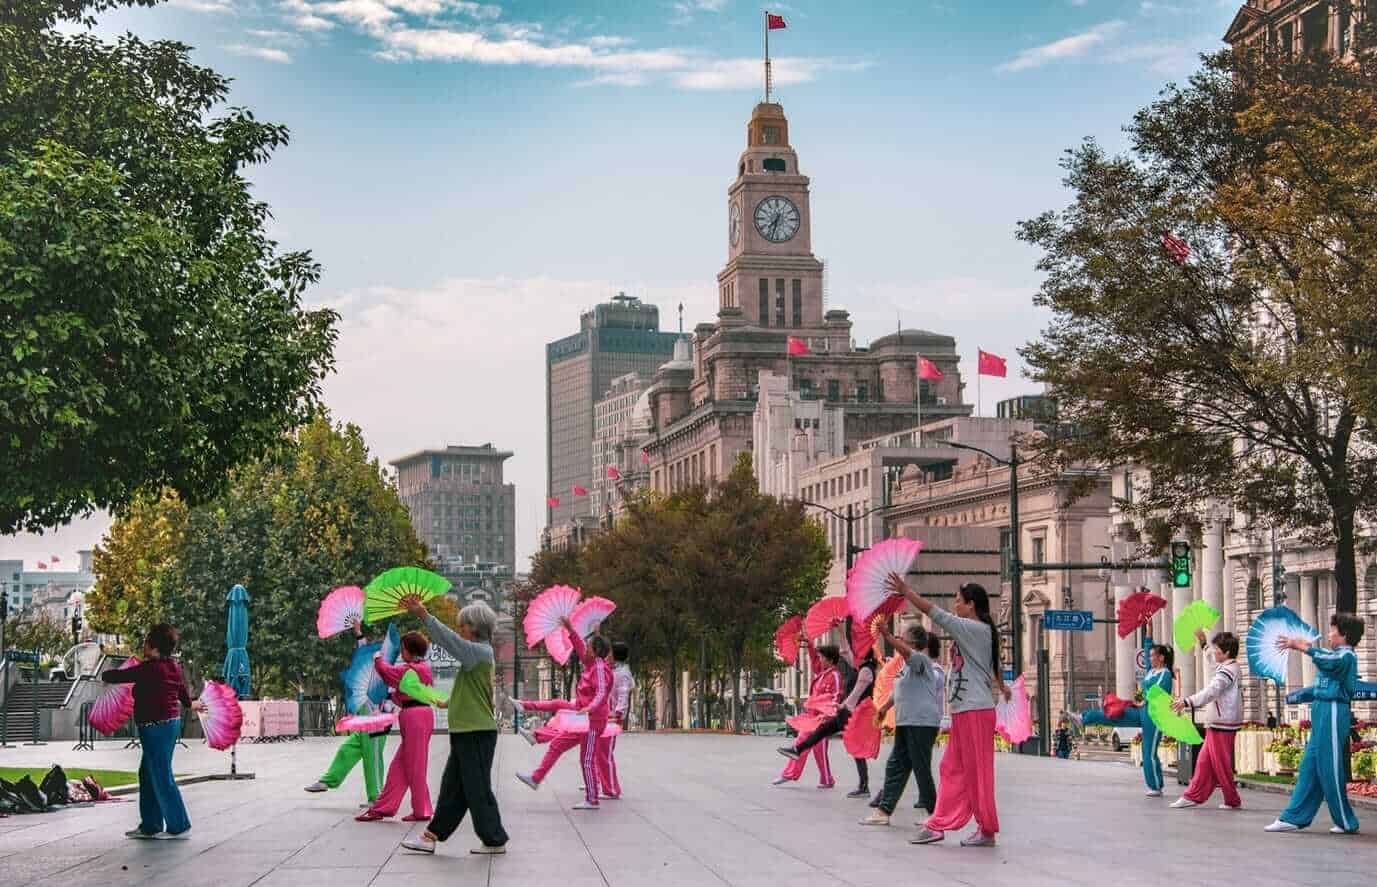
(1009, 675)
(1068, 620)
(22, 656)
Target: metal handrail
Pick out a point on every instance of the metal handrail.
(71, 690)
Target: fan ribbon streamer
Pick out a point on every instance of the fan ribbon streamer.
(338, 609)
(866, 584)
(824, 616)
(586, 617)
(884, 686)
(384, 595)
(572, 722)
(366, 723)
(114, 707)
(544, 614)
(1265, 658)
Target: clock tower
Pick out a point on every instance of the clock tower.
(771, 275)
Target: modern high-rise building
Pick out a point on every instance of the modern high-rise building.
(615, 338)
(461, 507)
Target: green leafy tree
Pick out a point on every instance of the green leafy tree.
(134, 563)
(38, 631)
(153, 334)
(1243, 374)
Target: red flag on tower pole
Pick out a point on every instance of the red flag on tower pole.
(42, 566)
(772, 23)
(798, 347)
(645, 458)
(992, 365)
(579, 490)
(928, 371)
(613, 473)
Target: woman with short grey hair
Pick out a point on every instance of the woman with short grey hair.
(466, 786)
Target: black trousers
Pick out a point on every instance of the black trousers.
(466, 787)
(831, 727)
(912, 754)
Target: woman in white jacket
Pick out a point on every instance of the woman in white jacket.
(1222, 704)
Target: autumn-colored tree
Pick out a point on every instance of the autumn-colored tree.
(38, 631)
(1243, 372)
(134, 563)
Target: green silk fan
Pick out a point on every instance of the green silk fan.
(1178, 727)
(1196, 615)
(382, 599)
(411, 685)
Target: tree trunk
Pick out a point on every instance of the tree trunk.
(1345, 562)
(674, 677)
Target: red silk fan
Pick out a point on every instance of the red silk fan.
(884, 685)
(1137, 610)
(864, 636)
(1114, 707)
(824, 616)
(786, 639)
(861, 737)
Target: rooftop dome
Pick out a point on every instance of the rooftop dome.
(913, 337)
(683, 356)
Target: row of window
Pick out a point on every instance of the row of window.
(692, 470)
(838, 486)
(795, 319)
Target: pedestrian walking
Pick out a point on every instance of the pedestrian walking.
(917, 702)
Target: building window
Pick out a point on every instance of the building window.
(862, 392)
(1315, 29)
(1039, 553)
(770, 135)
(1287, 39)
(764, 302)
(779, 302)
(833, 389)
(798, 303)
(924, 391)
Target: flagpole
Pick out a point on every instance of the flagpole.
(766, 22)
(979, 400)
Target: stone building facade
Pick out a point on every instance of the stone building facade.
(460, 505)
(1297, 26)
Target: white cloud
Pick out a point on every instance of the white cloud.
(267, 53)
(748, 72)
(1163, 58)
(272, 36)
(441, 44)
(1068, 47)
(203, 5)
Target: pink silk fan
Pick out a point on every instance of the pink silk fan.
(365, 723)
(861, 737)
(572, 722)
(544, 614)
(115, 706)
(338, 609)
(786, 639)
(587, 616)
(866, 594)
(824, 616)
(1014, 719)
(223, 719)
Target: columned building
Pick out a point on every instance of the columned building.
(1292, 27)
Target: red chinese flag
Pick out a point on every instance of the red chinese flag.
(579, 490)
(992, 365)
(55, 559)
(553, 502)
(645, 458)
(1177, 248)
(613, 473)
(775, 22)
(928, 371)
(798, 347)
(42, 566)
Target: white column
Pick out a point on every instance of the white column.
(1124, 651)
(1164, 636)
(1229, 616)
(1212, 566)
(1309, 602)
(1294, 666)
(1187, 659)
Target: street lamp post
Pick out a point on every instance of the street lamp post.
(849, 517)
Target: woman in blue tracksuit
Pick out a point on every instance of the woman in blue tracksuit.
(1321, 776)
(1133, 716)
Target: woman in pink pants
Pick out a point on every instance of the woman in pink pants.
(408, 767)
(591, 698)
(824, 694)
(966, 779)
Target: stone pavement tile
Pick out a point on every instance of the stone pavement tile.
(352, 843)
(325, 877)
(25, 868)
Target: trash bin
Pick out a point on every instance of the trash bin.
(1185, 762)
(1030, 746)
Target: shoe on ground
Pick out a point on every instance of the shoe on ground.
(1223, 806)
(527, 780)
(412, 817)
(859, 793)
(139, 835)
(876, 817)
(926, 836)
(1153, 793)
(788, 751)
(607, 797)
(780, 780)
(584, 805)
(1182, 803)
(1281, 826)
(485, 850)
(1340, 830)
(365, 805)
(827, 785)
(419, 844)
(183, 835)
(875, 801)
(528, 736)
(978, 839)
(369, 816)
(317, 787)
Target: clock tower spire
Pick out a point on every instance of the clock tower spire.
(771, 274)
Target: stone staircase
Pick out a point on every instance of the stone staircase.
(18, 710)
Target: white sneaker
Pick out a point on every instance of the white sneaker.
(1280, 826)
(485, 850)
(926, 836)
(1340, 830)
(180, 836)
(1154, 793)
(780, 780)
(139, 835)
(876, 817)
(527, 780)
(317, 787)
(1182, 803)
(528, 736)
(419, 844)
(584, 805)
(1224, 806)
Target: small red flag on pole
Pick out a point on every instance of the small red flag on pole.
(55, 559)
(992, 365)
(553, 501)
(1177, 248)
(579, 490)
(613, 473)
(798, 347)
(775, 22)
(645, 458)
(42, 566)
(928, 371)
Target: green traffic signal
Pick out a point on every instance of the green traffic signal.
(1181, 565)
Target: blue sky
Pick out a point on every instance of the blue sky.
(472, 175)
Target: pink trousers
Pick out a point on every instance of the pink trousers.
(1214, 766)
(587, 744)
(408, 767)
(966, 784)
(607, 766)
(794, 769)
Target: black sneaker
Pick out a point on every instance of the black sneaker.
(789, 752)
(859, 793)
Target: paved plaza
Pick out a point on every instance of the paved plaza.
(699, 810)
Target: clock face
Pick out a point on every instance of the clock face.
(776, 218)
(734, 224)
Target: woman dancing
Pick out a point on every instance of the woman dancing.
(917, 703)
(862, 686)
(1160, 675)
(408, 767)
(824, 693)
(966, 786)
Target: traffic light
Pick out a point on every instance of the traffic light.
(1180, 565)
